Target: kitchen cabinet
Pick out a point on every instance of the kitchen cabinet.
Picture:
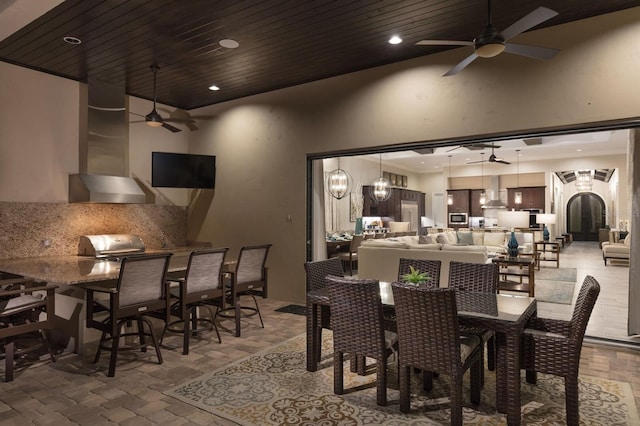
(533, 197)
(475, 208)
(460, 201)
(391, 208)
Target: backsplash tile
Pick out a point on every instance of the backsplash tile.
(25, 226)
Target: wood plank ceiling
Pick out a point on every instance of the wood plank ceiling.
(282, 42)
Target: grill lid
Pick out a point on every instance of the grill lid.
(109, 244)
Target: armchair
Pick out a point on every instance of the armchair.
(616, 250)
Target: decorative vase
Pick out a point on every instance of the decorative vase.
(545, 233)
(512, 245)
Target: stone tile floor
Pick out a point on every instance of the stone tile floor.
(75, 391)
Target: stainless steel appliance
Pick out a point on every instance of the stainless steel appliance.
(111, 246)
(458, 218)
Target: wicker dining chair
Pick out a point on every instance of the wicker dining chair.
(429, 339)
(553, 346)
(479, 277)
(139, 291)
(356, 321)
(316, 274)
(201, 288)
(431, 267)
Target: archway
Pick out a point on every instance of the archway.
(586, 214)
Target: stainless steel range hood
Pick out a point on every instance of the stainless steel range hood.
(104, 150)
(495, 202)
(85, 188)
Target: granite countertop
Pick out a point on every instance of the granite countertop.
(71, 270)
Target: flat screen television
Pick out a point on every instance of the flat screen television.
(173, 170)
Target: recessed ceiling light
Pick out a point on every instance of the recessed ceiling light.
(229, 43)
(214, 87)
(395, 40)
(72, 40)
(578, 150)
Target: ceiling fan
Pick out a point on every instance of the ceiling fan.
(491, 43)
(492, 159)
(154, 119)
(473, 146)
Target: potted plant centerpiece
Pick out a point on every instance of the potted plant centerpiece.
(416, 277)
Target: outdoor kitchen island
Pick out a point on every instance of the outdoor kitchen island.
(70, 273)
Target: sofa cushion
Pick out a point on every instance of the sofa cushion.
(478, 238)
(447, 237)
(384, 243)
(496, 239)
(465, 238)
(427, 239)
(456, 247)
(434, 246)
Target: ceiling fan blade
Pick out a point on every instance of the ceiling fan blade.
(500, 160)
(135, 113)
(461, 65)
(527, 22)
(170, 127)
(444, 43)
(476, 162)
(535, 52)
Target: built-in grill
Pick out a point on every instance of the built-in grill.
(110, 246)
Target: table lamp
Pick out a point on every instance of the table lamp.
(513, 219)
(545, 219)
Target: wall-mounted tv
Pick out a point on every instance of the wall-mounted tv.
(173, 170)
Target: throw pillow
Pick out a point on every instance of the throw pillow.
(465, 238)
(494, 239)
(442, 239)
(426, 239)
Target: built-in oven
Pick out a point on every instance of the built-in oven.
(458, 218)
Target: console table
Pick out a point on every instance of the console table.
(548, 251)
(512, 271)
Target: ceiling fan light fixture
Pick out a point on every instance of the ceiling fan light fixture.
(153, 119)
(489, 44)
(213, 87)
(395, 40)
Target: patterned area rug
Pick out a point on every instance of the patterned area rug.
(273, 388)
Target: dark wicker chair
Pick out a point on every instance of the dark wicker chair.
(431, 267)
(429, 339)
(351, 257)
(202, 287)
(139, 291)
(480, 277)
(356, 321)
(316, 273)
(553, 346)
(248, 279)
(21, 328)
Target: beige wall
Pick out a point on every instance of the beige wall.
(261, 142)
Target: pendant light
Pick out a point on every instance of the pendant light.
(517, 199)
(483, 194)
(380, 188)
(338, 182)
(449, 196)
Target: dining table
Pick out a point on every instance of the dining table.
(505, 314)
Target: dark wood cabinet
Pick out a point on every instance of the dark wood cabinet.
(460, 199)
(475, 208)
(391, 208)
(533, 197)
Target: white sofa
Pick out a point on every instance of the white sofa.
(380, 259)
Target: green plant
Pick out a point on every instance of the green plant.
(415, 276)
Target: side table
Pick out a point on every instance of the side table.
(512, 271)
(548, 251)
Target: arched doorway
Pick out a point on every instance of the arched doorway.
(585, 216)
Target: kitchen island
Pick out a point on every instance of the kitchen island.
(70, 273)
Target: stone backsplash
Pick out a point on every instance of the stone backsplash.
(24, 227)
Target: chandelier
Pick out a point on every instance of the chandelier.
(584, 180)
(380, 188)
(338, 182)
